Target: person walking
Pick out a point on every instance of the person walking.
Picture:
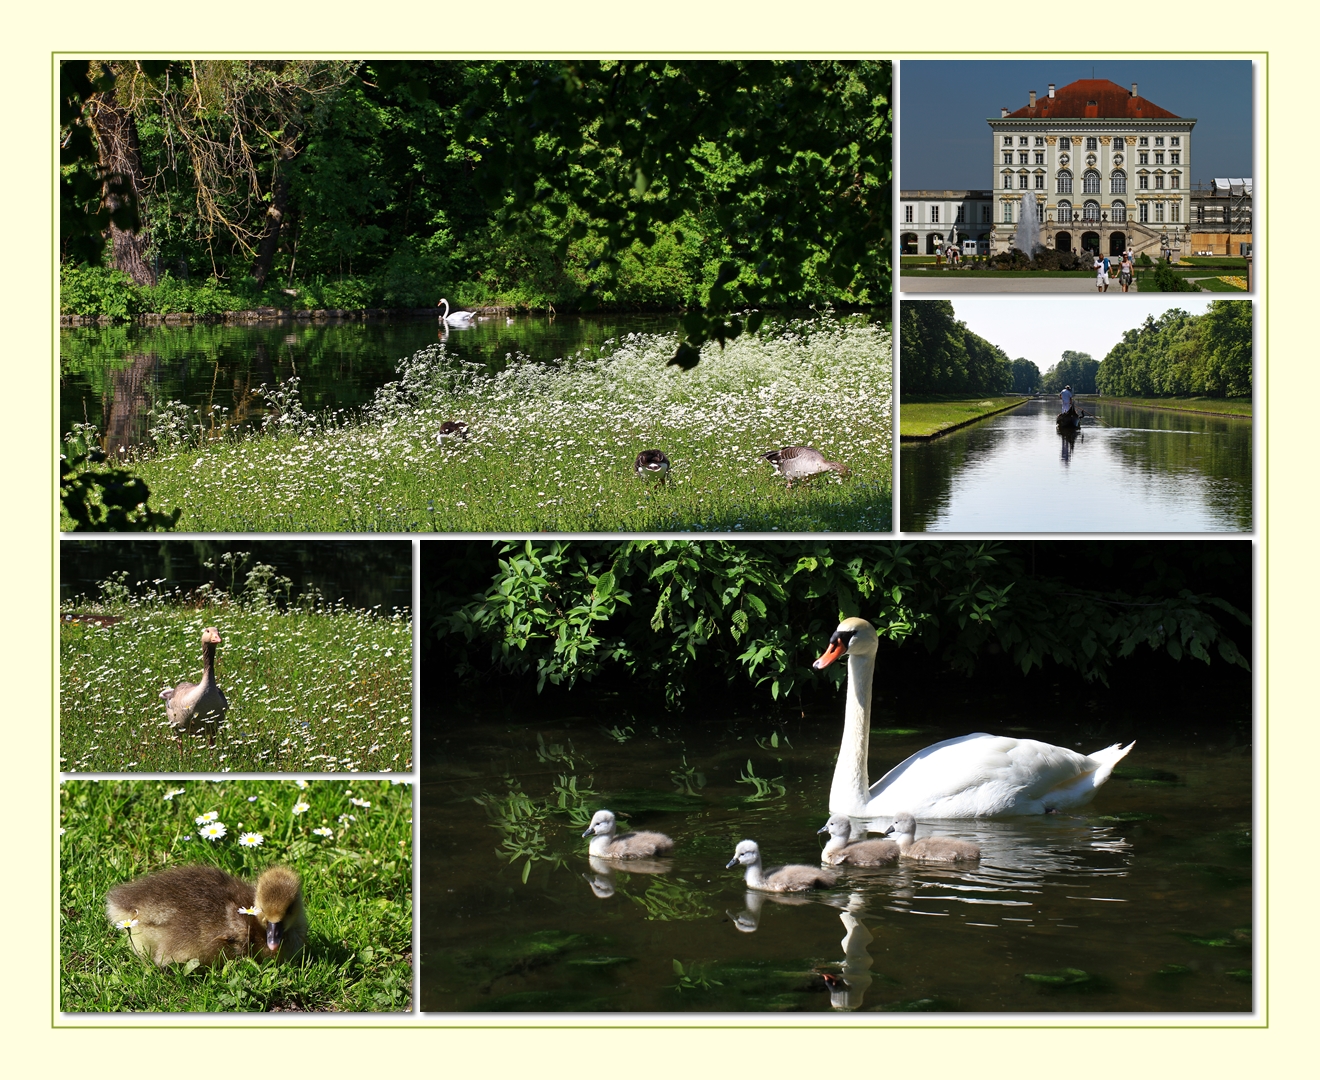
(1125, 271)
(1101, 281)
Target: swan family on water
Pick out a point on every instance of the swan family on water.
(973, 776)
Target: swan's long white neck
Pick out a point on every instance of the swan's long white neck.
(850, 788)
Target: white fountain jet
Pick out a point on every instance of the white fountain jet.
(1027, 237)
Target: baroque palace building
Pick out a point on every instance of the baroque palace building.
(1107, 170)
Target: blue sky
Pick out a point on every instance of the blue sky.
(1042, 329)
(944, 140)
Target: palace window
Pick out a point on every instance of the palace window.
(1159, 212)
(1119, 143)
(961, 208)
(1143, 182)
(1117, 183)
(1008, 180)
(1174, 180)
(1040, 157)
(1022, 180)
(1065, 212)
(985, 215)
(1118, 211)
(1040, 211)
(1008, 140)
(1022, 157)
(907, 213)
(1091, 210)
(1022, 140)
(1159, 159)
(1040, 140)
(1159, 181)
(1008, 157)
(1143, 158)
(1175, 141)
(1065, 143)
(1175, 158)
(1040, 181)
(934, 215)
(1143, 141)
(1144, 214)
(1008, 213)
(1092, 143)
(1159, 140)
(1064, 183)
(1091, 182)
(1175, 212)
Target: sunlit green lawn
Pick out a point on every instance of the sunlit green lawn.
(551, 446)
(315, 688)
(924, 419)
(351, 842)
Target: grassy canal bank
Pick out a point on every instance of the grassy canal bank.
(928, 416)
(1211, 406)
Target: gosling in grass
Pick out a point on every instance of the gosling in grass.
(608, 843)
(652, 463)
(801, 462)
(196, 707)
(201, 913)
(932, 848)
(839, 852)
(781, 878)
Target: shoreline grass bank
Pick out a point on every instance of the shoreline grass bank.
(1231, 407)
(932, 417)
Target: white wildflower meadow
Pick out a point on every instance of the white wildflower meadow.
(551, 446)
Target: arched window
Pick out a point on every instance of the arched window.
(1091, 182)
(1064, 215)
(1064, 181)
(1091, 210)
(1118, 210)
(1118, 182)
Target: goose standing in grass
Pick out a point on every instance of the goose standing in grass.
(975, 775)
(932, 848)
(201, 913)
(456, 318)
(196, 707)
(838, 851)
(652, 463)
(451, 429)
(795, 878)
(801, 462)
(608, 843)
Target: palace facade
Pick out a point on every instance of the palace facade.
(925, 217)
(1105, 169)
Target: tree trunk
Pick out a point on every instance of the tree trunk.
(124, 184)
(275, 215)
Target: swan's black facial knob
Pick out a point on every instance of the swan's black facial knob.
(840, 640)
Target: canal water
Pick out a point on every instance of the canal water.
(1139, 902)
(1128, 469)
(112, 377)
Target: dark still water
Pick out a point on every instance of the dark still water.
(112, 376)
(1128, 470)
(1141, 902)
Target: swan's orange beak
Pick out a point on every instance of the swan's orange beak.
(837, 648)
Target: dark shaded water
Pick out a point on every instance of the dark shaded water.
(1128, 470)
(112, 376)
(1141, 902)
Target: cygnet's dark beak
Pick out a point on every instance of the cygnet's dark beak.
(889, 830)
(590, 831)
(273, 936)
(822, 829)
(731, 863)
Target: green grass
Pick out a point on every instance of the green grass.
(315, 688)
(552, 445)
(924, 419)
(357, 888)
(1222, 406)
(1215, 284)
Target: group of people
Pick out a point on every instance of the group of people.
(1103, 267)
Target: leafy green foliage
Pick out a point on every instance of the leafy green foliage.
(100, 498)
(665, 610)
(941, 356)
(1075, 369)
(1179, 354)
(351, 842)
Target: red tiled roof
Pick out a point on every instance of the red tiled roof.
(1092, 98)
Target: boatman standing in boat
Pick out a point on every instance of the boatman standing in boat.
(1065, 395)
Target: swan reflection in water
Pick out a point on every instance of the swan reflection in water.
(603, 871)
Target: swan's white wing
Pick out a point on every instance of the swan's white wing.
(976, 775)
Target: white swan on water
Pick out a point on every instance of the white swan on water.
(457, 318)
(976, 775)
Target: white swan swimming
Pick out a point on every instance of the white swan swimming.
(975, 775)
(457, 318)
